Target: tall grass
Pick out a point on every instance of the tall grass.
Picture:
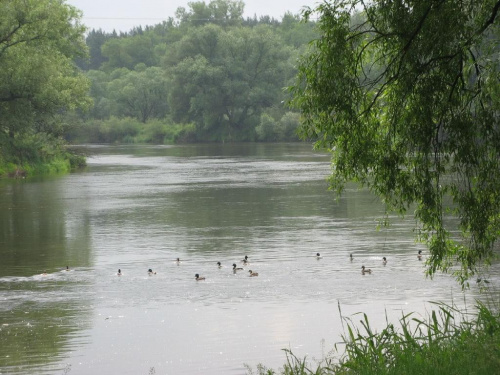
(448, 341)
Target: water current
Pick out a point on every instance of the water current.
(136, 208)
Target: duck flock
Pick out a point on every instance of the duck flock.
(251, 273)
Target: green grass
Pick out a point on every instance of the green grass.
(448, 341)
(36, 154)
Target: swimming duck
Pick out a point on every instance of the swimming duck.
(119, 273)
(245, 260)
(236, 268)
(384, 261)
(150, 272)
(198, 278)
(67, 268)
(318, 256)
(253, 273)
(219, 265)
(351, 257)
(419, 256)
(365, 270)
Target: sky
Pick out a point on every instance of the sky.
(123, 15)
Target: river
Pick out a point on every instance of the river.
(136, 208)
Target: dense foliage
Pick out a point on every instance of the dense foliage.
(406, 95)
(38, 79)
(207, 75)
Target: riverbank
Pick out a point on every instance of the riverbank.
(37, 155)
(448, 342)
(60, 164)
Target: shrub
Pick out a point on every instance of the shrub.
(267, 130)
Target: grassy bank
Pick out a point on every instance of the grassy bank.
(130, 130)
(165, 131)
(56, 165)
(36, 155)
(449, 341)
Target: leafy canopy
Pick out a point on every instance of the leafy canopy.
(38, 79)
(222, 79)
(405, 94)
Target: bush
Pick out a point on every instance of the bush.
(153, 131)
(288, 126)
(267, 130)
(130, 130)
(36, 153)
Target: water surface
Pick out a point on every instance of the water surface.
(137, 207)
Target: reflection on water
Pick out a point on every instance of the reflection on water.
(136, 208)
(43, 307)
(40, 319)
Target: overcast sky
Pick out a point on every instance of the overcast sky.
(123, 15)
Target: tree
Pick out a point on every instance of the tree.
(94, 40)
(127, 52)
(295, 32)
(142, 93)
(219, 12)
(38, 79)
(406, 97)
(223, 79)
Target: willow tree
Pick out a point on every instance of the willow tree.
(405, 94)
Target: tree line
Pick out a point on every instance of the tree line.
(205, 75)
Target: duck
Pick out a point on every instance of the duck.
(150, 272)
(318, 256)
(119, 273)
(384, 261)
(351, 257)
(365, 270)
(219, 265)
(67, 268)
(245, 260)
(419, 255)
(198, 278)
(236, 268)
(178, 261)
(253, 273)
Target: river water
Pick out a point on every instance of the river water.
(137, 207)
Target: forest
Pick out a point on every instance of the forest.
(204, 75)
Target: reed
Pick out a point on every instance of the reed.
(448, 341)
